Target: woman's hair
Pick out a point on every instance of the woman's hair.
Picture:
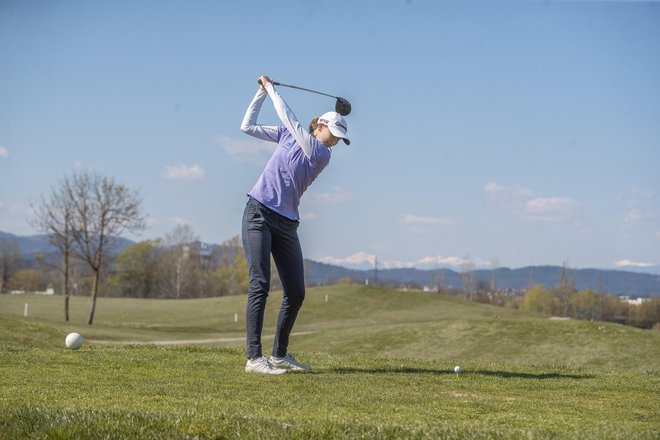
(313, 124)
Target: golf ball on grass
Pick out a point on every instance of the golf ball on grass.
(457, 369)
(73, 341)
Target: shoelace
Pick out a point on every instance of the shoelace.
(263, 361)
(271, 366)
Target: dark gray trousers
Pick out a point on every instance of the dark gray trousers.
(266, 232)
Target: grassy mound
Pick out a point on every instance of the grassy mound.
(357, 319)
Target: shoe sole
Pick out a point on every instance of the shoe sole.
(293, 369)
(283, 371)
(265, 374)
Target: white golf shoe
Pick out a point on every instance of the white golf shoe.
(289, 363)
(262, 366)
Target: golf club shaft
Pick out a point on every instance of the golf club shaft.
(275, 83)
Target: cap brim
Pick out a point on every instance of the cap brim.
(339, 134)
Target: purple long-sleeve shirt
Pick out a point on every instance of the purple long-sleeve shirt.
(297, 161)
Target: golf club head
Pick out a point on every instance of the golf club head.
(342, 106)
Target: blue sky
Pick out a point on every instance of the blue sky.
(510, 133)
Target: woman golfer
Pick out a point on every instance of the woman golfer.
(271, 219)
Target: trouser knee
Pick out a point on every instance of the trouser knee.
(294, 300)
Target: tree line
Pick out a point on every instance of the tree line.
(83, 216)
(178, 266)
(562, 300)
(592, 306)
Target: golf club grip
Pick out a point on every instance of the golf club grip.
(275, 83)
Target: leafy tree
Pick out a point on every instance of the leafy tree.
(232, 279)
(9, 257)
(29, 280)
(647, 314)
(137, 271)
(537, 299)
(614, 310)
(586, 305)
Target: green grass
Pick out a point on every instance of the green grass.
(187, 391)
(382, 362)
(357, 319)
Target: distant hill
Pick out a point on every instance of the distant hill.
(29, 245)
(615, 282)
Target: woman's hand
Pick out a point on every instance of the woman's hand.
(263, 80)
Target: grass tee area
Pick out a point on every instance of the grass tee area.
(383, 368)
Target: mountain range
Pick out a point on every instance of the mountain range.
(615, 282)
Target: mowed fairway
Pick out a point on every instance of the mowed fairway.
(383, 368)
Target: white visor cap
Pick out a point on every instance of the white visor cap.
(337, 125)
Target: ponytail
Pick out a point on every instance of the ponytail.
(313, 125)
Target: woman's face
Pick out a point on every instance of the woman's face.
(324, 135)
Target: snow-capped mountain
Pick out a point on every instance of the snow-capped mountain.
(365, 261)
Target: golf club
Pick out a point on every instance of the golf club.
(342, 106)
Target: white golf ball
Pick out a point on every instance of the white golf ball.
(73, 341)
(457, 369)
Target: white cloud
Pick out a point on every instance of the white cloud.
(335, 196)
(523, 203)
(247, 150)
(179, 221)
(549, 208)
(184, 172)
(628, 263)
(4, 152)
(410, 219)
(507, 196)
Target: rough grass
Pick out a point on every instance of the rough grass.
(383, 368)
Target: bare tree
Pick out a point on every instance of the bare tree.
(179, 259)
(468, 276)
(101, 210)
(439, 279)
(494, 267)
(53, 218)
(565, 289)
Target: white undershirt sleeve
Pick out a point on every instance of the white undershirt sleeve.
(249, 124)
(302, 136)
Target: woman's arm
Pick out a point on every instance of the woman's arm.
(302, 136)
(249, 124)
